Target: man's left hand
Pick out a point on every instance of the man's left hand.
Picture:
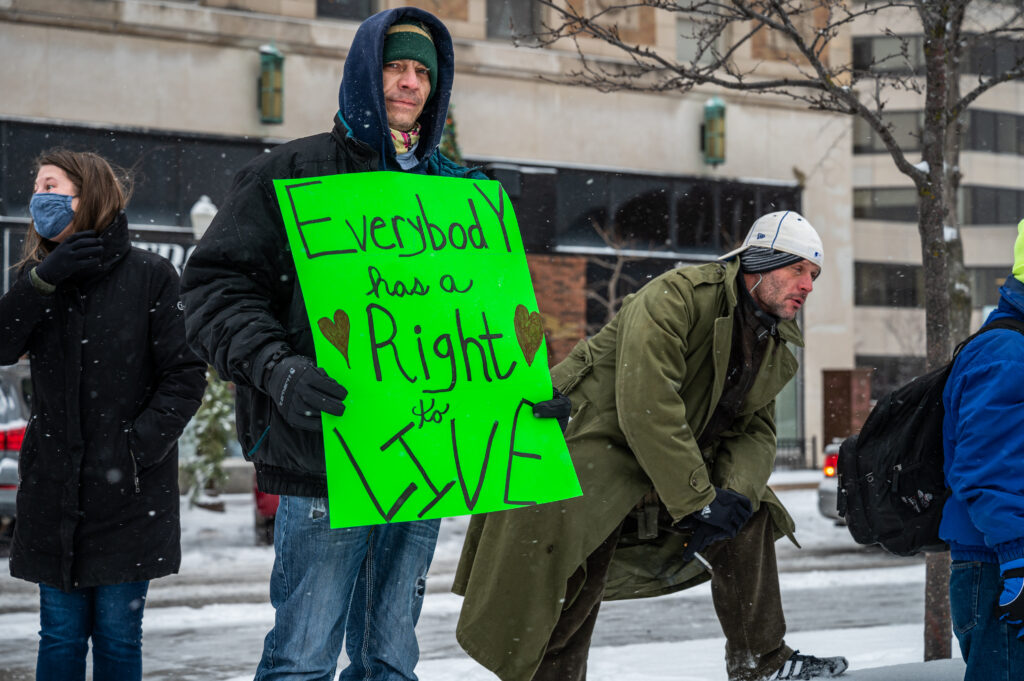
(722, 519)
(558, 407)
(1011, 601)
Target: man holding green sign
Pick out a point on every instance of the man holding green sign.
(410, 289)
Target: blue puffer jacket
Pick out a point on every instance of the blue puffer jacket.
(983, 435)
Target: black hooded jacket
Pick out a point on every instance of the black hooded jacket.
(113, 385)
(242, 298)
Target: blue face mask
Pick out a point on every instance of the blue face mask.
(51, 213)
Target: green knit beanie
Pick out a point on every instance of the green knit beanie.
(1018, 253)
(407, 39)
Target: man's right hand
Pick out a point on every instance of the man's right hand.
(301, 390)
(722, 519)
(80, 251)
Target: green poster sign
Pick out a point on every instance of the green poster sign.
(421, 305)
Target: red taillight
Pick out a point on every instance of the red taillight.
(12, 439)
(831, 461)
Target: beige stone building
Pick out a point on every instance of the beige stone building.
(170, 87)
(888, 308)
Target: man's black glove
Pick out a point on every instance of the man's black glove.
(721, 519)
(558, 407)
(301, 390)
(80, 251)
(1011, 601)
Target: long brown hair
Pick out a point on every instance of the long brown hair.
(102, 189)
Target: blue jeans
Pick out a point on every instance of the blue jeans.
(110, 615)
(990, 648)
(363, 585)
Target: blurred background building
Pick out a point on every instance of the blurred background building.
(610, 189)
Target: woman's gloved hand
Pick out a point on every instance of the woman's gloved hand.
(80, 251)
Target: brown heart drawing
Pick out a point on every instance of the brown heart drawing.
(336, 332)
(529, 332)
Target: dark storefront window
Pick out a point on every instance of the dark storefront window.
(695, 211)
(170, 171)
(655, 214)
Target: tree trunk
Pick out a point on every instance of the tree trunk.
(947, 289)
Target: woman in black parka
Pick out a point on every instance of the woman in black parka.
(114, 384)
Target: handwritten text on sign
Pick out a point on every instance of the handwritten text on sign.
(421, 305)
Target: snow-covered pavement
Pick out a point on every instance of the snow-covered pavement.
(208, 622)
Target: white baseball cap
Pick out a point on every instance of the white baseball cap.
(785, 231)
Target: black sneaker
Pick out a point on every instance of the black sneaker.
(809, 667)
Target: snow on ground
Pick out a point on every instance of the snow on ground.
(220, 544)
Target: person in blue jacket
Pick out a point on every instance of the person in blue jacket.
(983, 520)
(245, 314)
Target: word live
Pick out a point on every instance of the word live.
(404, 443)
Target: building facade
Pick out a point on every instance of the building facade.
(888, 273)
(183, 92)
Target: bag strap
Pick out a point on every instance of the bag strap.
(1010, 323)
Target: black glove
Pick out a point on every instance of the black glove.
(80, 251)
(558, 407)
(721, 519)
(301, 390)
(1011, 601)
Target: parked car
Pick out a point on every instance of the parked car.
(15, 401)
(828, 488)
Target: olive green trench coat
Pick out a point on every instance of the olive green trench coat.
(642, 390)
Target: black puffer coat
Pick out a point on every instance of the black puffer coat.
(113, 386)
(243, 303)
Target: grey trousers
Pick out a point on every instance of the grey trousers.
(744, 589)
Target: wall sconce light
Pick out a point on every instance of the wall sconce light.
(713, 132)
(270, 86)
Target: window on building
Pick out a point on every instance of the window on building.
(355, 10)
(981, 131)
(902, 285)
(989, 131)
(905, 54)
(985, 283)
(689, 42)
(1006, 133)
(888, 54)
(513, 19)
(883, 203)
(1007, 206)
(738, 212)
(695, 216)
(991, 205)
(977, 205)
(582, 207)
(905, 127)
(642, 213)
(890, 372)
(888, 285)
